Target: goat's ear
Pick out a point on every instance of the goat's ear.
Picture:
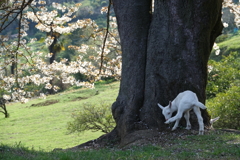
(170, 104)
(159, 105)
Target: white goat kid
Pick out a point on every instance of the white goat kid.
(183, 103)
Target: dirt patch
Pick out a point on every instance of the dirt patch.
(46, 103)
(153, 137)
(164, 139)
(137, 138)
(79, 98)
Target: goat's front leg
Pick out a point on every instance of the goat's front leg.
(186, 116)
(175, 125)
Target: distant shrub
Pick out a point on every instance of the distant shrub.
(92, 117)
(227, 106)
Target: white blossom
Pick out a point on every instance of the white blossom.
(225, 24)
(6, 97)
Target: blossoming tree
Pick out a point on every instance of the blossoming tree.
(31, 67)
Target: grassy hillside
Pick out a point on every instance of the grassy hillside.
(227, 44)
(41, 124)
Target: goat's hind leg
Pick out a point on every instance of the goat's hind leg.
(186, 116)
(200, 119)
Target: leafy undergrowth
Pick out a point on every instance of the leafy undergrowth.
(212, 145)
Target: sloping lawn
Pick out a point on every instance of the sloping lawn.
(41, 123)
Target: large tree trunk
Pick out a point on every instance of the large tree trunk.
(181, 37)
(133, 17)
(162, 55)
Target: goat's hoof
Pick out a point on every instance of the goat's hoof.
(173, 129)
(167, 122)
(201, 132)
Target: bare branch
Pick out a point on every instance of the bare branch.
(20, 10)
(106, 35)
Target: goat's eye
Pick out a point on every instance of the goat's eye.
(168, 113)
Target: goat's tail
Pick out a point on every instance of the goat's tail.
(200, 105)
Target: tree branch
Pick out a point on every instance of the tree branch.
(23, 6)
(106, 35)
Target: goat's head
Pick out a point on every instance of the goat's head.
(166, 111)
(212, 121)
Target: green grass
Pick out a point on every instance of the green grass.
(214, 145)
(34, 130)
(44, 127)
(230, 44)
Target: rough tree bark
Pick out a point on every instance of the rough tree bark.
(133, 24)
(53, 49)
(163, 54)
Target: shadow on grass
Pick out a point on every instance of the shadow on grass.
(212, 145)
(45, 103)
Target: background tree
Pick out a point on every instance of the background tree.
(53, 50)
(33, 75)
(3, 108)
(163, 54)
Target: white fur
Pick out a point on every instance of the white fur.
(183, 103)
(212, 121)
